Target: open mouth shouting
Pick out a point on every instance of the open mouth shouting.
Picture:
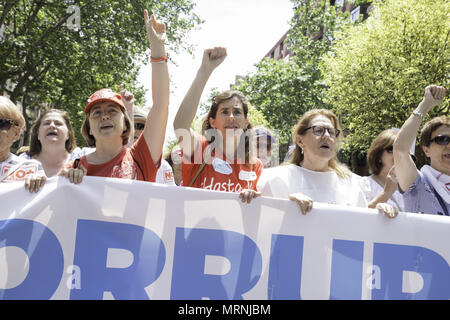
(325, 146)
(52, 133)
(106, 126)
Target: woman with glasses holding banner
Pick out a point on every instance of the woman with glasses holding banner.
(313, 172)
(13, 168)
(218, 159)
(427, 190)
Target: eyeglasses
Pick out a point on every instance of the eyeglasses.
(320, 131)
(139, 126)
(5, 124)
(441, 140)
(389, 149)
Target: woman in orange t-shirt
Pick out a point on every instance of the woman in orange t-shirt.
(108, 127)
(219, 159)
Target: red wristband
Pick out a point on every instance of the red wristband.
(164, 58)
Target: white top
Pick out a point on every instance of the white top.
(164, 174)
(22, 167)
(326, 187)
(371, 189)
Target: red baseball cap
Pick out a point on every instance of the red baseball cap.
(103, 95)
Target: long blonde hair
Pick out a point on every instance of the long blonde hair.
(297, 155)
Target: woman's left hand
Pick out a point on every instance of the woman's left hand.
(389, 211)
(156, 31)
(35, 182)
(127, 98)
(73, 174)
(247, 195)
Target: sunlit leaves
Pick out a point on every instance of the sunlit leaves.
(378, 71)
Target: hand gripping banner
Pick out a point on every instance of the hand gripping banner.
(122, 239)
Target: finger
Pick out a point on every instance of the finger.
(393, 212)
(147, 22)
(27, 183)
(304, 208)
(42, 182)
(146, 19)
(441, 93)
(153, 22)
(75, 176)
(310, 206)
(37, 184)
(80, 176)
(63, 173)
(249, 197)
(246, 196)
(71, 175)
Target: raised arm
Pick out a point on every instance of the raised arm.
(212, 58)
(406, 171)
(128, 101)
(155, 126)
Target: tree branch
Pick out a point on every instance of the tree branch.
(31, 17)
(6, 9)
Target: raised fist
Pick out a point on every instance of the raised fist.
(212, 58)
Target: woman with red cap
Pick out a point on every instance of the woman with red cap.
(107, 126)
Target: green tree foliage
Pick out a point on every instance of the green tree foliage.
(56, 53)
(377, 71)
(283, 90)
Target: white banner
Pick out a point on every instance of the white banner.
(123, 239)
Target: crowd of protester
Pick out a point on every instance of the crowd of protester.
(228, 154)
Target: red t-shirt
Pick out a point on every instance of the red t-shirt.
(220, 175)
(131, 163)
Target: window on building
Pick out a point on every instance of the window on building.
(354, 15)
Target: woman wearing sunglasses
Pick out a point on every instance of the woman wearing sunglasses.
(13, 168)
(381, 186)
(314, 173)
(219, 158)
(165, 174)
(427, 190)
(108, 127)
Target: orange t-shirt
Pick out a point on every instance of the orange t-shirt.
(131, 163)
(220, 175)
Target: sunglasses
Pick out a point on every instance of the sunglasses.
(5, 124)
(441, 140)
(389, 149)
(320, 131)
(139, 126)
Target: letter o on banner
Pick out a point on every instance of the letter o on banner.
(44, 253)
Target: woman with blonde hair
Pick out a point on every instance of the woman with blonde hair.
(313, 172)
(13, 168)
